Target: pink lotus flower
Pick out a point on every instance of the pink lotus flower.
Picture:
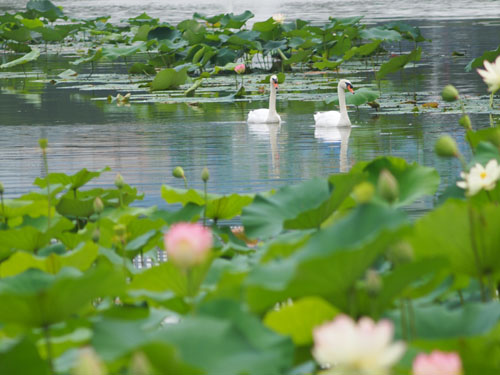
(188, 244)
(240, 69)
(437, 363)
(361, 348)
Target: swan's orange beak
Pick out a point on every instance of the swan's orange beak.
(275, 83)
(350, 89)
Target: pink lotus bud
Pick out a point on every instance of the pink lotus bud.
(240, 69)
(437, 363)
(188, 244)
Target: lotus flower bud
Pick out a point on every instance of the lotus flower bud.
(449, 93)
(400, 253)
(240, 69)
(387, 186)
(96, 235)
(1, 188)
(205, 174)
(140, 365)
(446, 147)
(120, 230)
(119, 183)
(178, 172)
(43, 143)
(98, 205)
(88, 363)
(364, 192)
(465, 122)
(373, 282)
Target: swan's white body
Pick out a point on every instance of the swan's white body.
(267, 115)
(335, 118)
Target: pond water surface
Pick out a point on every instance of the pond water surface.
(145, 141)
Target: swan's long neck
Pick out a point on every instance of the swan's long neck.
(344, 117)
(272, 100)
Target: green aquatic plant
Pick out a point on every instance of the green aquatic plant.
(311, 252)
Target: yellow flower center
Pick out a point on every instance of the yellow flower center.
(483, 175)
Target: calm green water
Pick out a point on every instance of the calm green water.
(145, 141)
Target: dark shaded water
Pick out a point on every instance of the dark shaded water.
(145, 141)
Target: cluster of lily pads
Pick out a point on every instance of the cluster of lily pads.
(203, 46)
(85, 287)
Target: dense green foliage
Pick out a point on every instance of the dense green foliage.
(68, 283)
(203, 45)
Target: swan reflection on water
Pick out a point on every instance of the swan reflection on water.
(334, 134)
(269, 132)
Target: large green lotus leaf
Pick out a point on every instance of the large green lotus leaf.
(46, 8)
(224, 339)
(341, 187)
(20, 356)
(265, 26)
(397, 63)
(364, 50)
(92, 55)
(31, 56)
(50, 34)
(446, 232)
(266, 215)
(299, 318)
(38, 299)
(414, 180)
(408, 31)
(439, 322)
(484, 152)
(34, 234)
(75, 181)
(162, 33)
(479, 61)
(20, 35)
(403, 279)
(218, 207)
(32, 24)
(283, 246)
(13, 208)
(379, 33)
(26, 238)
(20, 261)
(235, 21)
(330, 263)
(169, 79)
(113, 53)
(164, 358)
(122, 332)
(227, 207)
(173, 195)
(360, 96)
(483, 135)
(75, 207)
(166, 300)
(189, 212)
(168, 277)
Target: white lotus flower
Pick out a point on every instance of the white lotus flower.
(480, 177)
(279, 18)
(360, 348)
(491, 76)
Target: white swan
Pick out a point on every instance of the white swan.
(335, 118)
(264, 115)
